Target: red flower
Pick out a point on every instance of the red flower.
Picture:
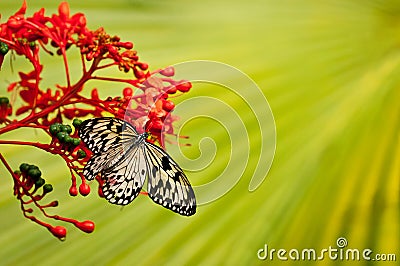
(143, 101)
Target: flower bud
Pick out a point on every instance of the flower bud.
(126, 45)
(61, 136)
(73, 191)
(81, 154)
(24, 167)
(47, 188)
(63, 10)
(54, 129)
(142, 66)
(172, 90)
(85, 226)
(139, 74)
(95, 94)
(66, 128)
(58, 231)
(168, 71)
(4, 100)
(76, 122)
(40, 182)
(76, 141)
(127, 92)
(168, 106)
(68, 139)
(112, 50)
(3, 48)
(53, 203)
(84, 189)
(184, 87)
(34, 173)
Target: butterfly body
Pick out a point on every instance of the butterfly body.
(124, 159)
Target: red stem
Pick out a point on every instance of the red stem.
(129, 81)
(9, 168)
(66, 65)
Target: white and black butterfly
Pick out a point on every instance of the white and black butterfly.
(124, 158)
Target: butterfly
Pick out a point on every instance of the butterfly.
(124, 159)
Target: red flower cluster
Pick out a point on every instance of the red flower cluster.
(144, 101)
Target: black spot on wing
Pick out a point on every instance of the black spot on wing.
(177, 177)
(119, 128)
(117, 140)
(109, 125)
(165, 163)
(154, 172)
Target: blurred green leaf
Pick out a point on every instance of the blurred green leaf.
(330, 71)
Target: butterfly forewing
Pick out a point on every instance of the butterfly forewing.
(103, 134)
(107, 139)
(167, 183)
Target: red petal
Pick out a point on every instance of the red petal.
(22, 110)
(30, 75)
(63, 10)
(22, 10)
(27, 95)
(79, 19)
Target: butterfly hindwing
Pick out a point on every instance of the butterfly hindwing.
(167, 183)
(124, 180)
(101, 161)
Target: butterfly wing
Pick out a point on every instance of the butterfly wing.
(125, 179)
(107, 138)
(125, 162)
(167, 183)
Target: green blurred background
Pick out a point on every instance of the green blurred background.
(330, 71)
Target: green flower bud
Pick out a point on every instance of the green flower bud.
(61, 136)
(32, 166)
(76, 122)
(40, 182)
(81, 153)
(54, 129)
(68, 139)
(76, 141)
(47, 188)
(24, 167)
(66, 128)
(34, 173)
(4, 100)
(3, 48)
